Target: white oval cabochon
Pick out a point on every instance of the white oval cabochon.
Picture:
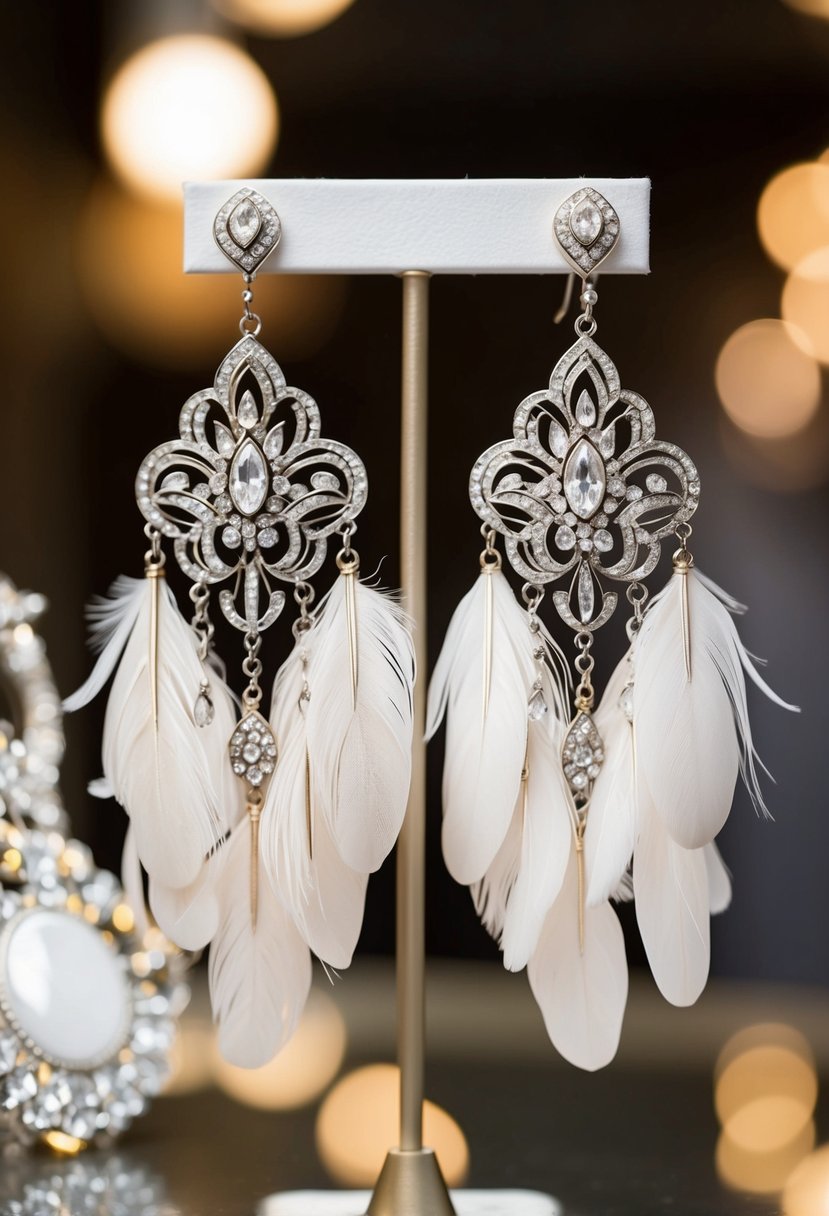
(64, 987)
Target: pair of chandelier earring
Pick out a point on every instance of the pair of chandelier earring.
(262, 845)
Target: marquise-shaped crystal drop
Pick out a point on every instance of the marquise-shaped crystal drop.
(537, 706)
(584, 479)
(586, 222)
(248, 481)
(244, 223)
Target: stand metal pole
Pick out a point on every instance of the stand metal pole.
(411, 1183)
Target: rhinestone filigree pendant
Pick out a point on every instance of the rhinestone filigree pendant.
(582, 756)
(253, 750)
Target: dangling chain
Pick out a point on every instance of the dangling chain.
(252, 667)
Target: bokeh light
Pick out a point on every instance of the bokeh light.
(358, 1123)
(283, 18)
(761, 1173)
(793, 213)
(304, 1068)
(769, 386)
(192, 1056)
(806, 303)
(765, 1092)
(145, 305)
(813, 8)
(807, 1191)
(192, 106)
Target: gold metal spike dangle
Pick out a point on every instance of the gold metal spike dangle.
(253, 755)
(582, 756)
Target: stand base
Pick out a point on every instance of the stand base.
(355, 1203)
(410, 1184)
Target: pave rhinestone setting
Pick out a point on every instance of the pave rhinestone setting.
(247, 230)
(586, 228)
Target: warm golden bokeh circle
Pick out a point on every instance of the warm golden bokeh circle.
(188, 107)
(793, 213)
(129, 265)
(302, 1071)
(283, 18)
(769, 386)
(805, 303)
(358, 1121)
(806, 1193)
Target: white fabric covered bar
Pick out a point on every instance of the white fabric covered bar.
(485, 226)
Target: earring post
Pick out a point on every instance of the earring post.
(410, 1183)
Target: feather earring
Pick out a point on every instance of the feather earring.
(257, 829)
(550, 817)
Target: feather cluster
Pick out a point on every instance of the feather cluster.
(676, 735)
(509, 820)
(342, 718)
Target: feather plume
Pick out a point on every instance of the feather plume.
(170, 775)
(132, 880)
(611, 820)
(359, 720)
(582, 994)
(259, 977)
(693, 736)
(324, 896)
(719, 880)
(482, 682)
(189, 916)
(670, 885)
(547, 830)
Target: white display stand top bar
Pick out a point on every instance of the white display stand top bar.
(469, 226)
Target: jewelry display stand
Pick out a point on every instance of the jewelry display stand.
(415, 229)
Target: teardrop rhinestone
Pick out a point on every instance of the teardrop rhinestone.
(586, 222)
(204, 710)
(537, 707)
(585, 409)
(247, 413)
(584, 479)
(248, 481)
(244, 223)
(586, 595)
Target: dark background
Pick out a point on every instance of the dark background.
(709, 99)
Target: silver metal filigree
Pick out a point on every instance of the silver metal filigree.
(584, 489)
(250, 491)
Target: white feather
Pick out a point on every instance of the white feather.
(670, 885)
(485, 743)
(693, 736)
(132, 881)
(490, 895)
(362, 753)
(174, 780)
(582, 995)
(611, 819)
(189, 916)
(324, 896)
(111, 621)
(545, 846)
(719, 880)
(259, 978)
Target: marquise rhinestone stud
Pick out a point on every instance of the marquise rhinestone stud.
(247, 229)
(586, 228)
